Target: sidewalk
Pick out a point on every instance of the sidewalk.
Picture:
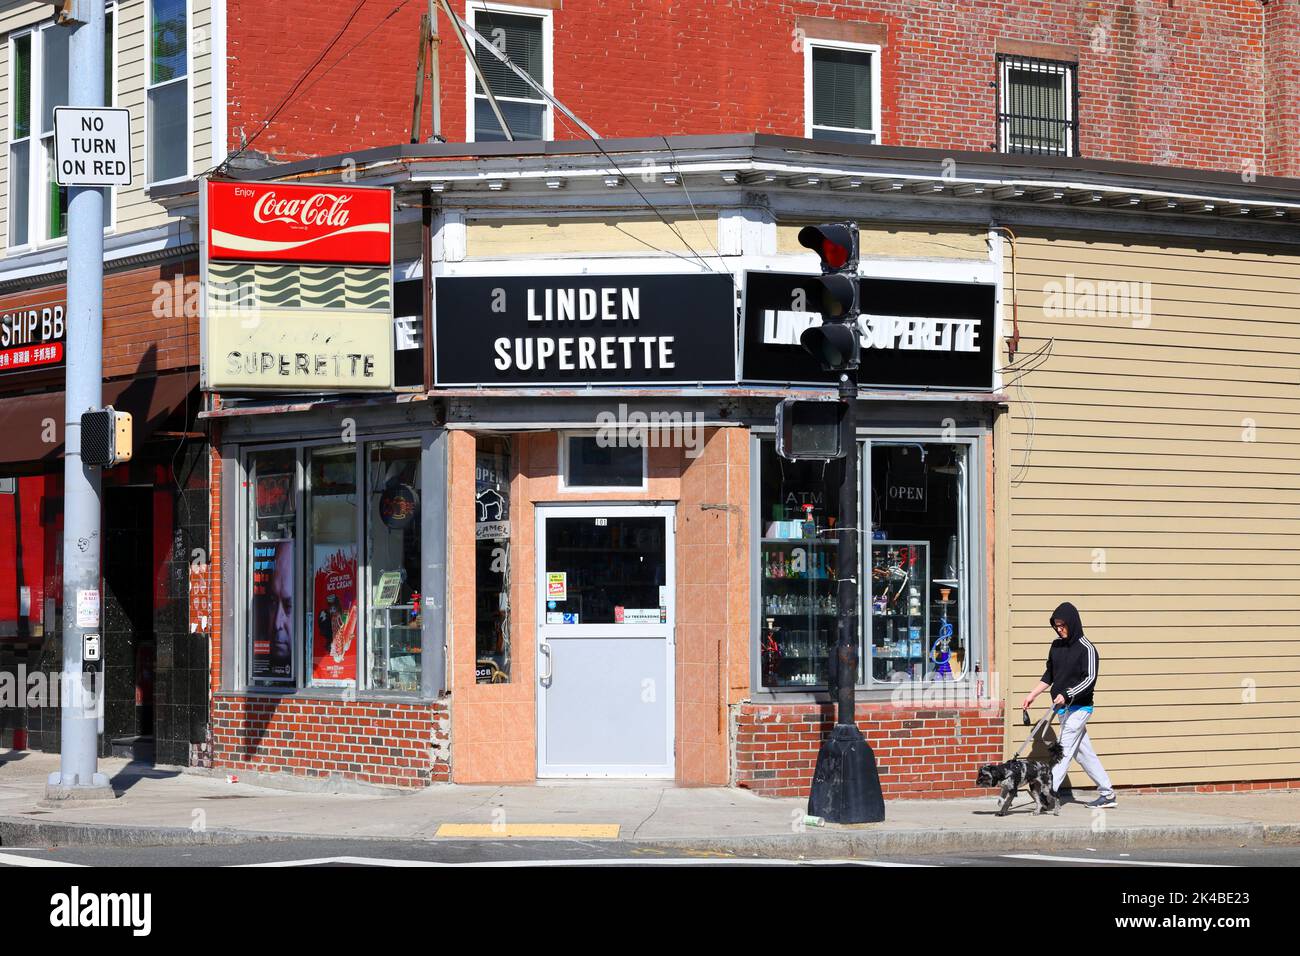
(173, 807)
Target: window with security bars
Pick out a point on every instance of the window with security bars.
(842, 98)
(1037, 106)
(524, 40)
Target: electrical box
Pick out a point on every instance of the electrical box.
(809, 429)
(106, 437)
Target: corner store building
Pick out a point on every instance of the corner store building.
(1019, 497)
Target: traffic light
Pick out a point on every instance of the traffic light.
(835, 343)
(106, 437)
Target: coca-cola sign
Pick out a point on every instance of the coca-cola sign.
(280, 222)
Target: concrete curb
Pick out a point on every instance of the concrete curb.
(864, 841)
(834, 841)
(36, 833)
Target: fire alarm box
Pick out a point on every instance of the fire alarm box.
(106, 437)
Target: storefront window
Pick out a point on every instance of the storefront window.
(799, 502)
(393, 565)
(918, 569)
(323, 612)
(492, 560)
(273, 513)
(915, 612)
(332, 578)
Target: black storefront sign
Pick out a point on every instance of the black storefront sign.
(32, 337)
(608, 330)
(916, 334)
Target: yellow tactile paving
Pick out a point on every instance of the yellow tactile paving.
(515, 831)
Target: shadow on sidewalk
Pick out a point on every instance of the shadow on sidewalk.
(138, 770)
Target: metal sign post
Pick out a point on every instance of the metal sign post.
(80, 688)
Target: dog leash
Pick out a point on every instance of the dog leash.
(1043, 722)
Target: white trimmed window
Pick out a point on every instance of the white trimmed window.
(524, 35)
(841, 91)
(167, 85)
(38, 82)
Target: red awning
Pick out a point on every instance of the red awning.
(25, 420)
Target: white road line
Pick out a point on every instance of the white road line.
(597, 861)
(1094, 859)
(9, 859)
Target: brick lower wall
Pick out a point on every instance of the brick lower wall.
(396, 744)
(920, 752)
(1236, 786)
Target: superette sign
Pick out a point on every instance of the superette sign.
(298, 287)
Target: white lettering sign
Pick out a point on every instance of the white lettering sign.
(92, 147)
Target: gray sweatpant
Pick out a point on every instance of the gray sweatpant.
(1077, 746)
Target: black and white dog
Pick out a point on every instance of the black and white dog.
(1012, 775)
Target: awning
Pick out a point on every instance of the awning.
(24, 419)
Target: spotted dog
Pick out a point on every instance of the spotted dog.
(1012, 775)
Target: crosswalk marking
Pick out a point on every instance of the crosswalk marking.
(11, 859)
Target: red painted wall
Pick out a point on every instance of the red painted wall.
(1196, 84)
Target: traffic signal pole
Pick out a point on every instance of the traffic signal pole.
(79, 691)
(846, 781)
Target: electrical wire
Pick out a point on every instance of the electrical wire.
(293, 90)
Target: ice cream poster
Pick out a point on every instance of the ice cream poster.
(334, 615)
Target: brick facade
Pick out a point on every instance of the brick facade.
(1206, 85)
(379, 742)
(920, 751)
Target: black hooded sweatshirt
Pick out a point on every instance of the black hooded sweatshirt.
(1072, 661)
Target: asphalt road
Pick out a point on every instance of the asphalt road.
(355, 853)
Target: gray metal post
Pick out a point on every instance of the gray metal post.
(78, 763)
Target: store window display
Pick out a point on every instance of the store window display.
(914, 617)
(492, 469)
(334, 581)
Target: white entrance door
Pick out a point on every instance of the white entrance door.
(605, 586)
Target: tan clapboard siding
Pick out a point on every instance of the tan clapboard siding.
(1155, 481)
(681, 235)
(877, 241)
(201, 36)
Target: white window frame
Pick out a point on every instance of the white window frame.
(38, 168)
(563, 452)
(809, 44)
(1070, 71)
(189, 95)
(473, 7)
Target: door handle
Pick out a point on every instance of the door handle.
(550, 664)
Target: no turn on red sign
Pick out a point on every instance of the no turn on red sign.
(92, 147)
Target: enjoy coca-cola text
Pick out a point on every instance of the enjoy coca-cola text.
(319, 209)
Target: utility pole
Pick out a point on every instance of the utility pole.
(78, 776)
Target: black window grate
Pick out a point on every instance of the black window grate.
(1037, 106)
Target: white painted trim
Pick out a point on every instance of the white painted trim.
(809, 44)
(218, 83)
(148, 87)
(548, 61)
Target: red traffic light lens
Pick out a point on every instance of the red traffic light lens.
(834, 254)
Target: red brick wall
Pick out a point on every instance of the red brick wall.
(1174, 83)
(397, 744)
(1282, 87)
(918, 750)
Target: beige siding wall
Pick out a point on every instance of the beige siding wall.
(132, 208)
(685, 235)
(1153, 470)
(901, 241)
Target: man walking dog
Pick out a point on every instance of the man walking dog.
(1071, 676)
